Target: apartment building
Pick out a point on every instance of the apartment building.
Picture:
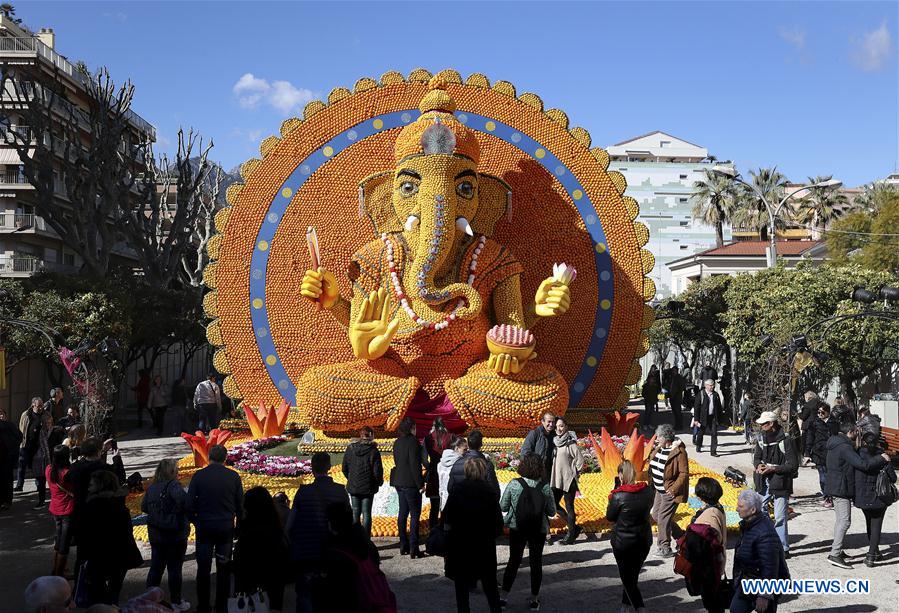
(660, 170)
(27, 243)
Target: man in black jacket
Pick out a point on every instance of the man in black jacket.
(775, 460)
(540, 441)
(409, 477)
(214, 502)
(676, 386)
(707, 410)
(708, 372)
(364, 474)
(842, 462)
(814, 443)
(457, 473)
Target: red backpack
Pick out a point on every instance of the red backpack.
(374, 592)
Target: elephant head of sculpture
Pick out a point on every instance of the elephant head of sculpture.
(436, 198)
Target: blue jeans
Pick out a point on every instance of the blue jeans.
(361, 506)
(410, 504)
(167, 556)
(208, 417)
(781, 504)
(822, 477)
(746, 604)
(220, 545)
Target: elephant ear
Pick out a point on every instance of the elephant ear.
(375, 201)
(494, 197)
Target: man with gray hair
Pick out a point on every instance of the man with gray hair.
(706, 411)
(670, 477)
(48, 595)
(757, 555)
(775, 460)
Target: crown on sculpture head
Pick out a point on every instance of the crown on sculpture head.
(437, 130)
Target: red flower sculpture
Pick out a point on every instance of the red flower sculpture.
(621, 424)
(200, 444)
(267, 421)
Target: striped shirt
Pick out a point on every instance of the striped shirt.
(657, 468)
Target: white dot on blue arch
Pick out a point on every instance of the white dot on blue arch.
(406, 117)
(600, 333)
(262, 332)
(283, 384)
(463, 118)
(590, 219)
(258, 274)
(516, 137)
(605, 275)
(352, 135)
(305, 169)
(560, 170)
(272, 218)
(579, 387)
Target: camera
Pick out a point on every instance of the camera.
(735, 477)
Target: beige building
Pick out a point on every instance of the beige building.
(27, 242)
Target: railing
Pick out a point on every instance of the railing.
(13, 177)
(13, 134)
(29, 45)
(19, 221)
(20, 265)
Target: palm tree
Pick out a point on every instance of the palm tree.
(751, 211)
(820, 206)
(713, 199)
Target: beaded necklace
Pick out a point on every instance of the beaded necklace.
(401, 295)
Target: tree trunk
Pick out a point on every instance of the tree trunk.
(719, 234)
(847, 391)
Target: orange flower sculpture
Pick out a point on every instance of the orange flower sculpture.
(200, 444)
(619, 424)
(609, 458)
(267, 421)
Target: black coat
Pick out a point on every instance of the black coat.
(701, 408)
(842, 462)
(307, 524)
(651, 385)
(808, 412)
(408, 459)
(676, 386)
(866, 482)
(758, 553)
(814, 440)
(106, 539)
(435, 444)
(10, 440)
(707, 373)
(630, 511)
(473, 520)
(768, 450)
(214, 499)
(363, 469)
(539, 442)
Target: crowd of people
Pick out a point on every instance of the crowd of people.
(321, 543)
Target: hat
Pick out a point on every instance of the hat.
(767, 416)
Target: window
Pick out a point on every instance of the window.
(684, 247)
(683, 176)
(623, 169)
(665, 143)
(68, 259)
(684, 224)
(682, 200)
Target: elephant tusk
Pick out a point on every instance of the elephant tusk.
(464, 226)
(412, 222)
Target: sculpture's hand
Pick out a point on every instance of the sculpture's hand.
(552, 298)
(504, 363)
(371, 333)
(320, 286)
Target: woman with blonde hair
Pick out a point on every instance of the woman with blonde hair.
(164, 504)
(629, 506)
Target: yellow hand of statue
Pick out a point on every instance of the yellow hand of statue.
(506, 363)
(320, 286)
(552, 298)
(372, 331)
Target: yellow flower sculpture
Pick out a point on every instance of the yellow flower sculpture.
(267, 421)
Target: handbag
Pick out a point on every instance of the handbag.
(725, 593)
(436, 544)
(81, 596)
(256, 602)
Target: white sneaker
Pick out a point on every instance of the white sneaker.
(181, 606)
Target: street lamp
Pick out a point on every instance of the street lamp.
(731, 173)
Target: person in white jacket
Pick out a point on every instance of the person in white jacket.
(447, 460)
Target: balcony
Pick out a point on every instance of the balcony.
(10, 135)
(24, 266)
(22, 222)
(12, 176)
(32, 46)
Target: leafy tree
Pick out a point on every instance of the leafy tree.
(821, 206)
(713, 202)
(751, 211)
(868, 237)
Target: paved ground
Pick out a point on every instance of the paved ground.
(582, 577)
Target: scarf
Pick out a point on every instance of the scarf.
(566, 439)
(630, 488)
(703, 509)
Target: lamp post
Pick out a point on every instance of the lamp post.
(731, 173)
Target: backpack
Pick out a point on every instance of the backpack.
(885, 488)
(530, 508)
(162, 514)
(374, 591)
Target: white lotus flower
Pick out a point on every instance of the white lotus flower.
(564, 274)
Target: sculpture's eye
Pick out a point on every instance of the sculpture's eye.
(465, 189)
(408, 188)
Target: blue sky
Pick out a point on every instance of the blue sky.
(808, 86)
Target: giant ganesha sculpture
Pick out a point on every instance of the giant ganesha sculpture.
(436, 318)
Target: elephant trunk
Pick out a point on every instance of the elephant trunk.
(436, 242)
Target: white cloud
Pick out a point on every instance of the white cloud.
(794, 36)
(254, 135)
(872, 50)
(283, 96)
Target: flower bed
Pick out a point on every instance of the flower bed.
(248, 457)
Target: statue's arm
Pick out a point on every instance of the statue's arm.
(341, 311)
(507, 304)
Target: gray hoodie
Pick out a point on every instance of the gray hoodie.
(447, 460)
